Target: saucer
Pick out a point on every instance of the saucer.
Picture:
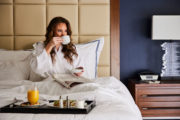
(76, 70)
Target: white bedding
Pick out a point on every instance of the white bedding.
(113, 100)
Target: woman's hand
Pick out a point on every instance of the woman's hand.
(79, 73)
(56, 41)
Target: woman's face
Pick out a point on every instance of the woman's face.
(60, 30)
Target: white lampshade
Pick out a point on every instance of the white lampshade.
(166, 27)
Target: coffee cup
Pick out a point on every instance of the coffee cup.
(80, 104)
(66, 39)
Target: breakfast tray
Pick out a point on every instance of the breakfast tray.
(12, 108)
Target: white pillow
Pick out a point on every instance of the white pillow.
(10, 55)
(88, 57)
(14, 65)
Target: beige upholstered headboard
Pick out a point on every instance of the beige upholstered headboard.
(24, 22)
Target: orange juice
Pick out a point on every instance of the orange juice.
(33, 96)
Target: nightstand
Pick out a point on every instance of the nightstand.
(156, 100)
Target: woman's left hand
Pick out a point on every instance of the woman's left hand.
(79, 73)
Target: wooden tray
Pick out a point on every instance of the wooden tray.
(12, 108)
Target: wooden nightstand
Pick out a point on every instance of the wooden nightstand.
(157, 100)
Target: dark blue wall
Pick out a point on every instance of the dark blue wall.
(137, 50)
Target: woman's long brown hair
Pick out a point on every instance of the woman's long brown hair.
(68, 50)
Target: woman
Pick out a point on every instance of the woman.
(52, 56)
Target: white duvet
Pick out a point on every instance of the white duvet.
(113, 100)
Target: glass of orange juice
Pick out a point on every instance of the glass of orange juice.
(33, 95)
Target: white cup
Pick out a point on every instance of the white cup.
(66, 39)
(80, 104)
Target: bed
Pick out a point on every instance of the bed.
(90, 20)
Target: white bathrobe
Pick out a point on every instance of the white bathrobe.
(41, 62)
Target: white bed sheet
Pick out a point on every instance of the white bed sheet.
(113, 100)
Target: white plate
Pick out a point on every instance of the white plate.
(40, 104)
(52, 105)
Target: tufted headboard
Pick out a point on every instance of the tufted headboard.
(24, 22)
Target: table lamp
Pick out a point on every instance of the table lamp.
(167, 27)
